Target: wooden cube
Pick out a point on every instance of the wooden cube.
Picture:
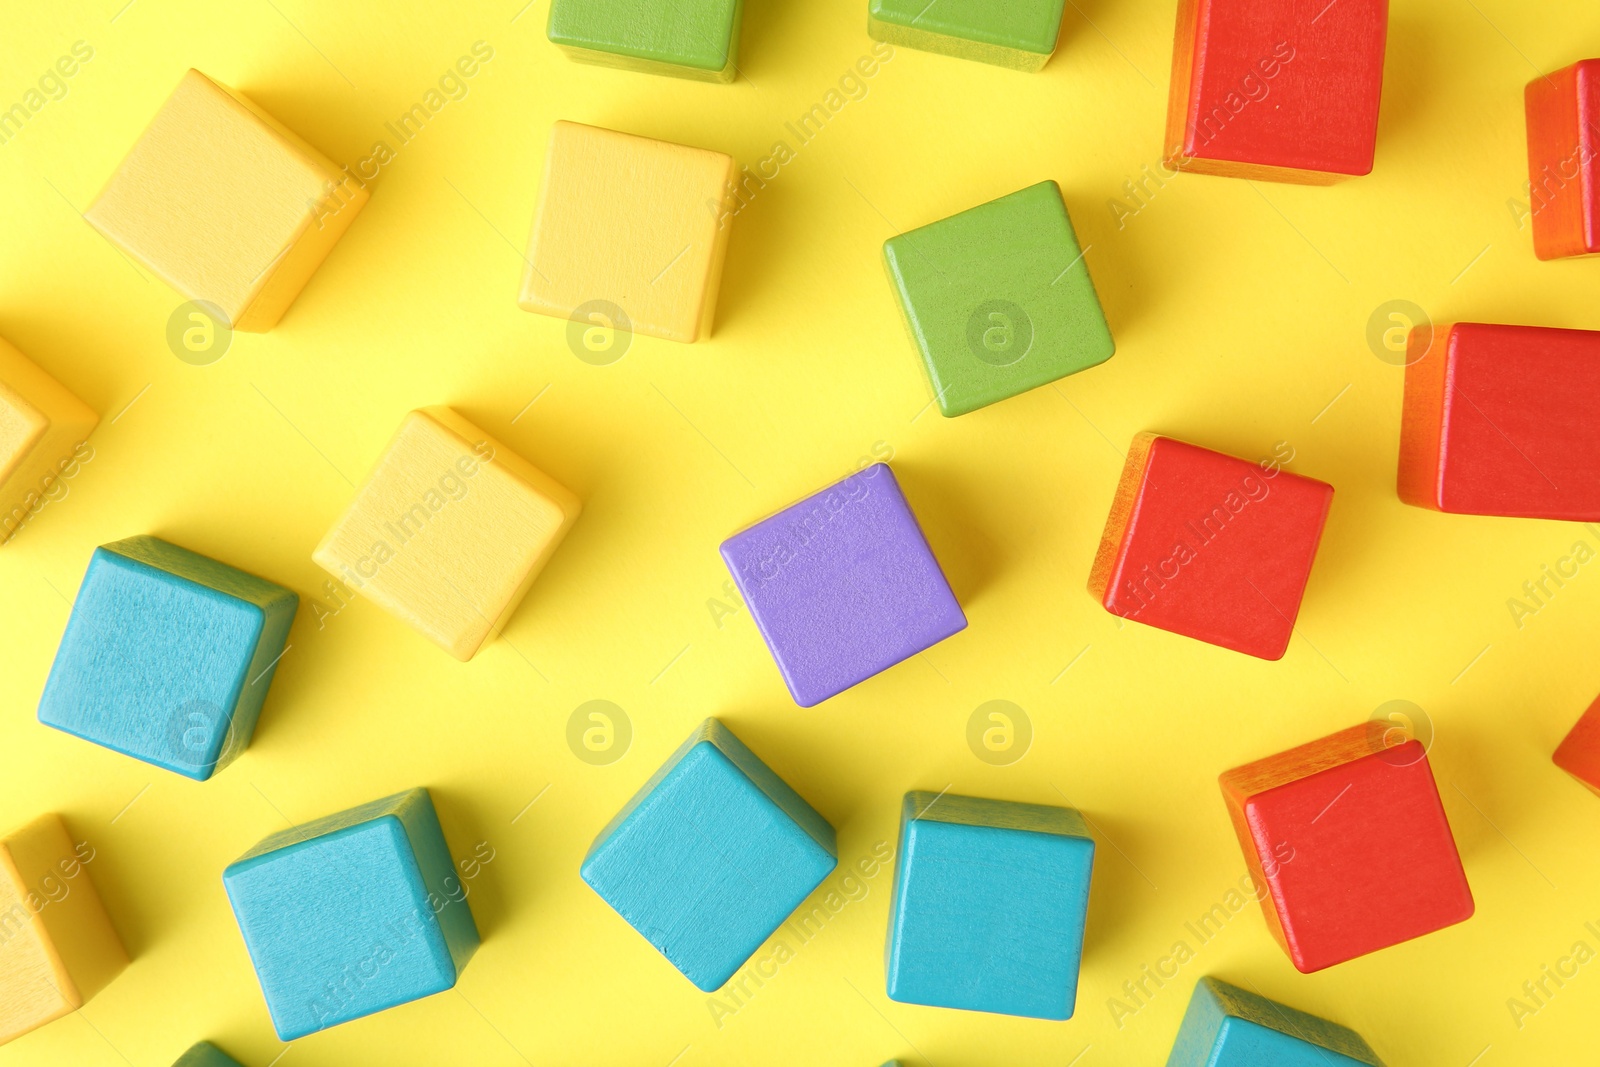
(1210, 546)
(1563, 169)
(632, 222)
(168, 656)
(1020, 34)
(999, 299)
(1283, 91)
(710, 856)
(843, 585)
(205, 1054)
(989, 906)
(1226, 1026)
(224, 204)
(697, 39)
(1579, 753)
(1500, 420)
(352, 914)
(449, 531)
(1349, 846)
(42, 426)
(57, 945)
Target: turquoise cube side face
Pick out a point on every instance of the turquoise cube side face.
(989, 906)
(1226, 1026)
(167, 656)
(205, 1054)
(352, 914)
(999, 299)
(711, 856)
(696, 39)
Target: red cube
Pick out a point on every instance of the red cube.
(1349, 846)
(1502, 420)
(1579, 754)
(1209, 546)
(1563, 168)
(1282, 91)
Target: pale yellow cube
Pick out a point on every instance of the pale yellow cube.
(449, 531)
(57, 945)
(629, 223)
(41, 427)
(226, 205)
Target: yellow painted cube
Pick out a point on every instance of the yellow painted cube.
(631, 224)
(57, 945)
(226, 205)
(449, 531)
(41, 427)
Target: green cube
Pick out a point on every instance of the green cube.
(1020, 34)
(205, 1054)
(999, 299)
(696, 39)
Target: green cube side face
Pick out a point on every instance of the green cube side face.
(999, 299)
(205, 1054)
(696, 39)
(1020, 34)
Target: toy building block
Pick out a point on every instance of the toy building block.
(631, 226)
(42, 426)
(843, 585)
(57, 946)
(226, 205)
(352, 913)
(1579, 753)
(710, 856)
(167, 656)
(1209, 546)
(205, 1054)
(989, 904)
(1277, 92)
(1020, 34)
(999, 299)
(1564, 160)
(1226, 1026)
(1350, 841)
(449, 531)
(1499, 420)
(698, 39)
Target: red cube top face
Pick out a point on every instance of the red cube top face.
(1210, 546)
(1564, 161)
(1579, 754)
(1502, 420)
(1286, 90)
(1351, 842)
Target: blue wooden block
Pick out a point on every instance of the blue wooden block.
(205, 1054)
(167, 656)
(1226, 1026)
(352, 914)
(989, 903)
(711, 856)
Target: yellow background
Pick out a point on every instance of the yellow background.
(1240, 313)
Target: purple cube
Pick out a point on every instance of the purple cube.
(843, 585)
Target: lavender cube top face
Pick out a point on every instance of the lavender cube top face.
(843, 585)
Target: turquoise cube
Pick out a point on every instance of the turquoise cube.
(998, 299)
(205, 1054)
(989, 903)
(1226, 1026)
(167, 656)
(352, 914)
(711, 856)
(697, 39)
